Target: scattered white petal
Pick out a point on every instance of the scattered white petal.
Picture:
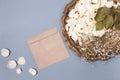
(33, 71)
(11, 64)
(21, 61)
(18, 70)
(5, 52)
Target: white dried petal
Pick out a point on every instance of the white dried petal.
(21, 61)
(90, 9)
(33, 71)
(79, 26)
(75, 16)
(18, 70)
(69, 21)
(11, 64)
(74, 37)
(82, 10)
(103, 2)
(99, 33)
(88, 1)
(74, 22)
(72, 12)
(5, 52)
(96, 6)
(95, 1)
(118, 4)
(82, 21)
(70, 32)
(109, 4)
(67, 28)
(82, 1)
(80, 41)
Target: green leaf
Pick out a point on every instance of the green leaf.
(102, 13)
(116, 10)
(99, 26)
(109, 21)
(116, 19)
(103, 9)
(99, 17)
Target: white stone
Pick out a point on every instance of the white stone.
(21, 61)
(18, 70)
(5, 52)
(11, 64)
(33, 71)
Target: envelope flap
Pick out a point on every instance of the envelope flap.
(43, 36)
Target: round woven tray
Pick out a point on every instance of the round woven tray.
(70, 42)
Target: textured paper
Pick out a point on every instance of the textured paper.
(48, 48)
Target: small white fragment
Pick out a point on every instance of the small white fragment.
(32, 71)
(5, 52)
(21, 61)
(11, 64)
(18, 70)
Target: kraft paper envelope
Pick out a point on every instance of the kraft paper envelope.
(48, 48)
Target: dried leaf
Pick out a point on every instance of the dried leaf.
(99, 17)
(117, 18)
(103, 9)
(99, 26)
(102, 13)
(108, 21)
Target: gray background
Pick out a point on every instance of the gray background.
(22, 19)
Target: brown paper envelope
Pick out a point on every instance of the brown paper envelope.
(48, 48)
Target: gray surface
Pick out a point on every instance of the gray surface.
(22, 19)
